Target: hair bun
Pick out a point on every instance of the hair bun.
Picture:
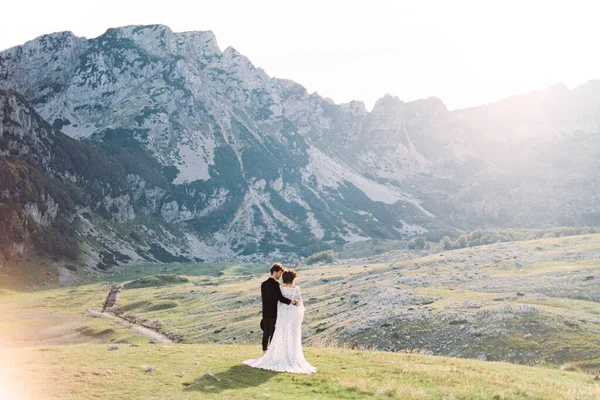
(289, 275)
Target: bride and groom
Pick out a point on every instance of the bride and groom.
(283, 312)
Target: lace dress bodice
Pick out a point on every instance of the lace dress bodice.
(291, 292)
(291, 311)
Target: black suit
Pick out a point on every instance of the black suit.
(271, 295)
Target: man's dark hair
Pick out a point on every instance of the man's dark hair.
(276, 268)
(288, 276)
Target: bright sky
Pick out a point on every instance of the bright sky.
(466, 52)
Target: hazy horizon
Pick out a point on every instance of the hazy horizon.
(465, 53)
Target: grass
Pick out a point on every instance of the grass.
(180, 372)
(220, 303)
(60, 316)
(194, 269)
(545, 267)
(369, 248)
(216, 307)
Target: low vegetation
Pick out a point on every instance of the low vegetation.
(484, 237)
(216, 372)
(417, 243)
(156, 281)
(326, 256)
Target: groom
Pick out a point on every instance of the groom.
(271, 294)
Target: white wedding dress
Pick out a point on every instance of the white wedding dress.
(284, 353)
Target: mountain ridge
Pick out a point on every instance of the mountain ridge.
(257, 167)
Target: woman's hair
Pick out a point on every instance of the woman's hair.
(276, 268)
(288, 276)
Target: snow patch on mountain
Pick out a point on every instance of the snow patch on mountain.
(77, 130)
(315, 227)
(408, 229)
(196, 158)
(211, 252)
(351, 236)
(215, 202)
(277, 184)
(262, 200)
(331, 173)
(171, 211)
(290, 194)
(421, 161)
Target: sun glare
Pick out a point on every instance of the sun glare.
(8, 387)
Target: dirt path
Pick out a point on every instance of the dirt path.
(151, 334)
(111, 300)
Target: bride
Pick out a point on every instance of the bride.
(284, 354)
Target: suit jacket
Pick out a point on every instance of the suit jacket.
(271, 294)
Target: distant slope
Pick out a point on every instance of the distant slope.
(525, 302)
(533, 302)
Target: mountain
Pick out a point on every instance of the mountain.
(56, 191)
(193, 153)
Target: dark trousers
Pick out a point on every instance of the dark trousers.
(268, 327)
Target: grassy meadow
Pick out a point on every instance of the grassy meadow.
(526, 302)
(153, 371)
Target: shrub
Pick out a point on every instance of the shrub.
(475, 235)
(488, 239)
(483, 237)
(475, 242)
(462, 241)
(326, 256)
(52, 241)
(417, 243)
(446, 243)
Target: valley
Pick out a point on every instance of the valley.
(374, 328)
(533, 302)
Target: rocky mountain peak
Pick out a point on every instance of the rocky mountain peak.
(234, 163)
(41, 64)
(240, 65)
(160, 41)
(430, 105)
(50, 42)
(200, 44)
(392, 105)
(355, 107)
(387, 104)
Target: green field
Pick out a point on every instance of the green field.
(198, 269)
